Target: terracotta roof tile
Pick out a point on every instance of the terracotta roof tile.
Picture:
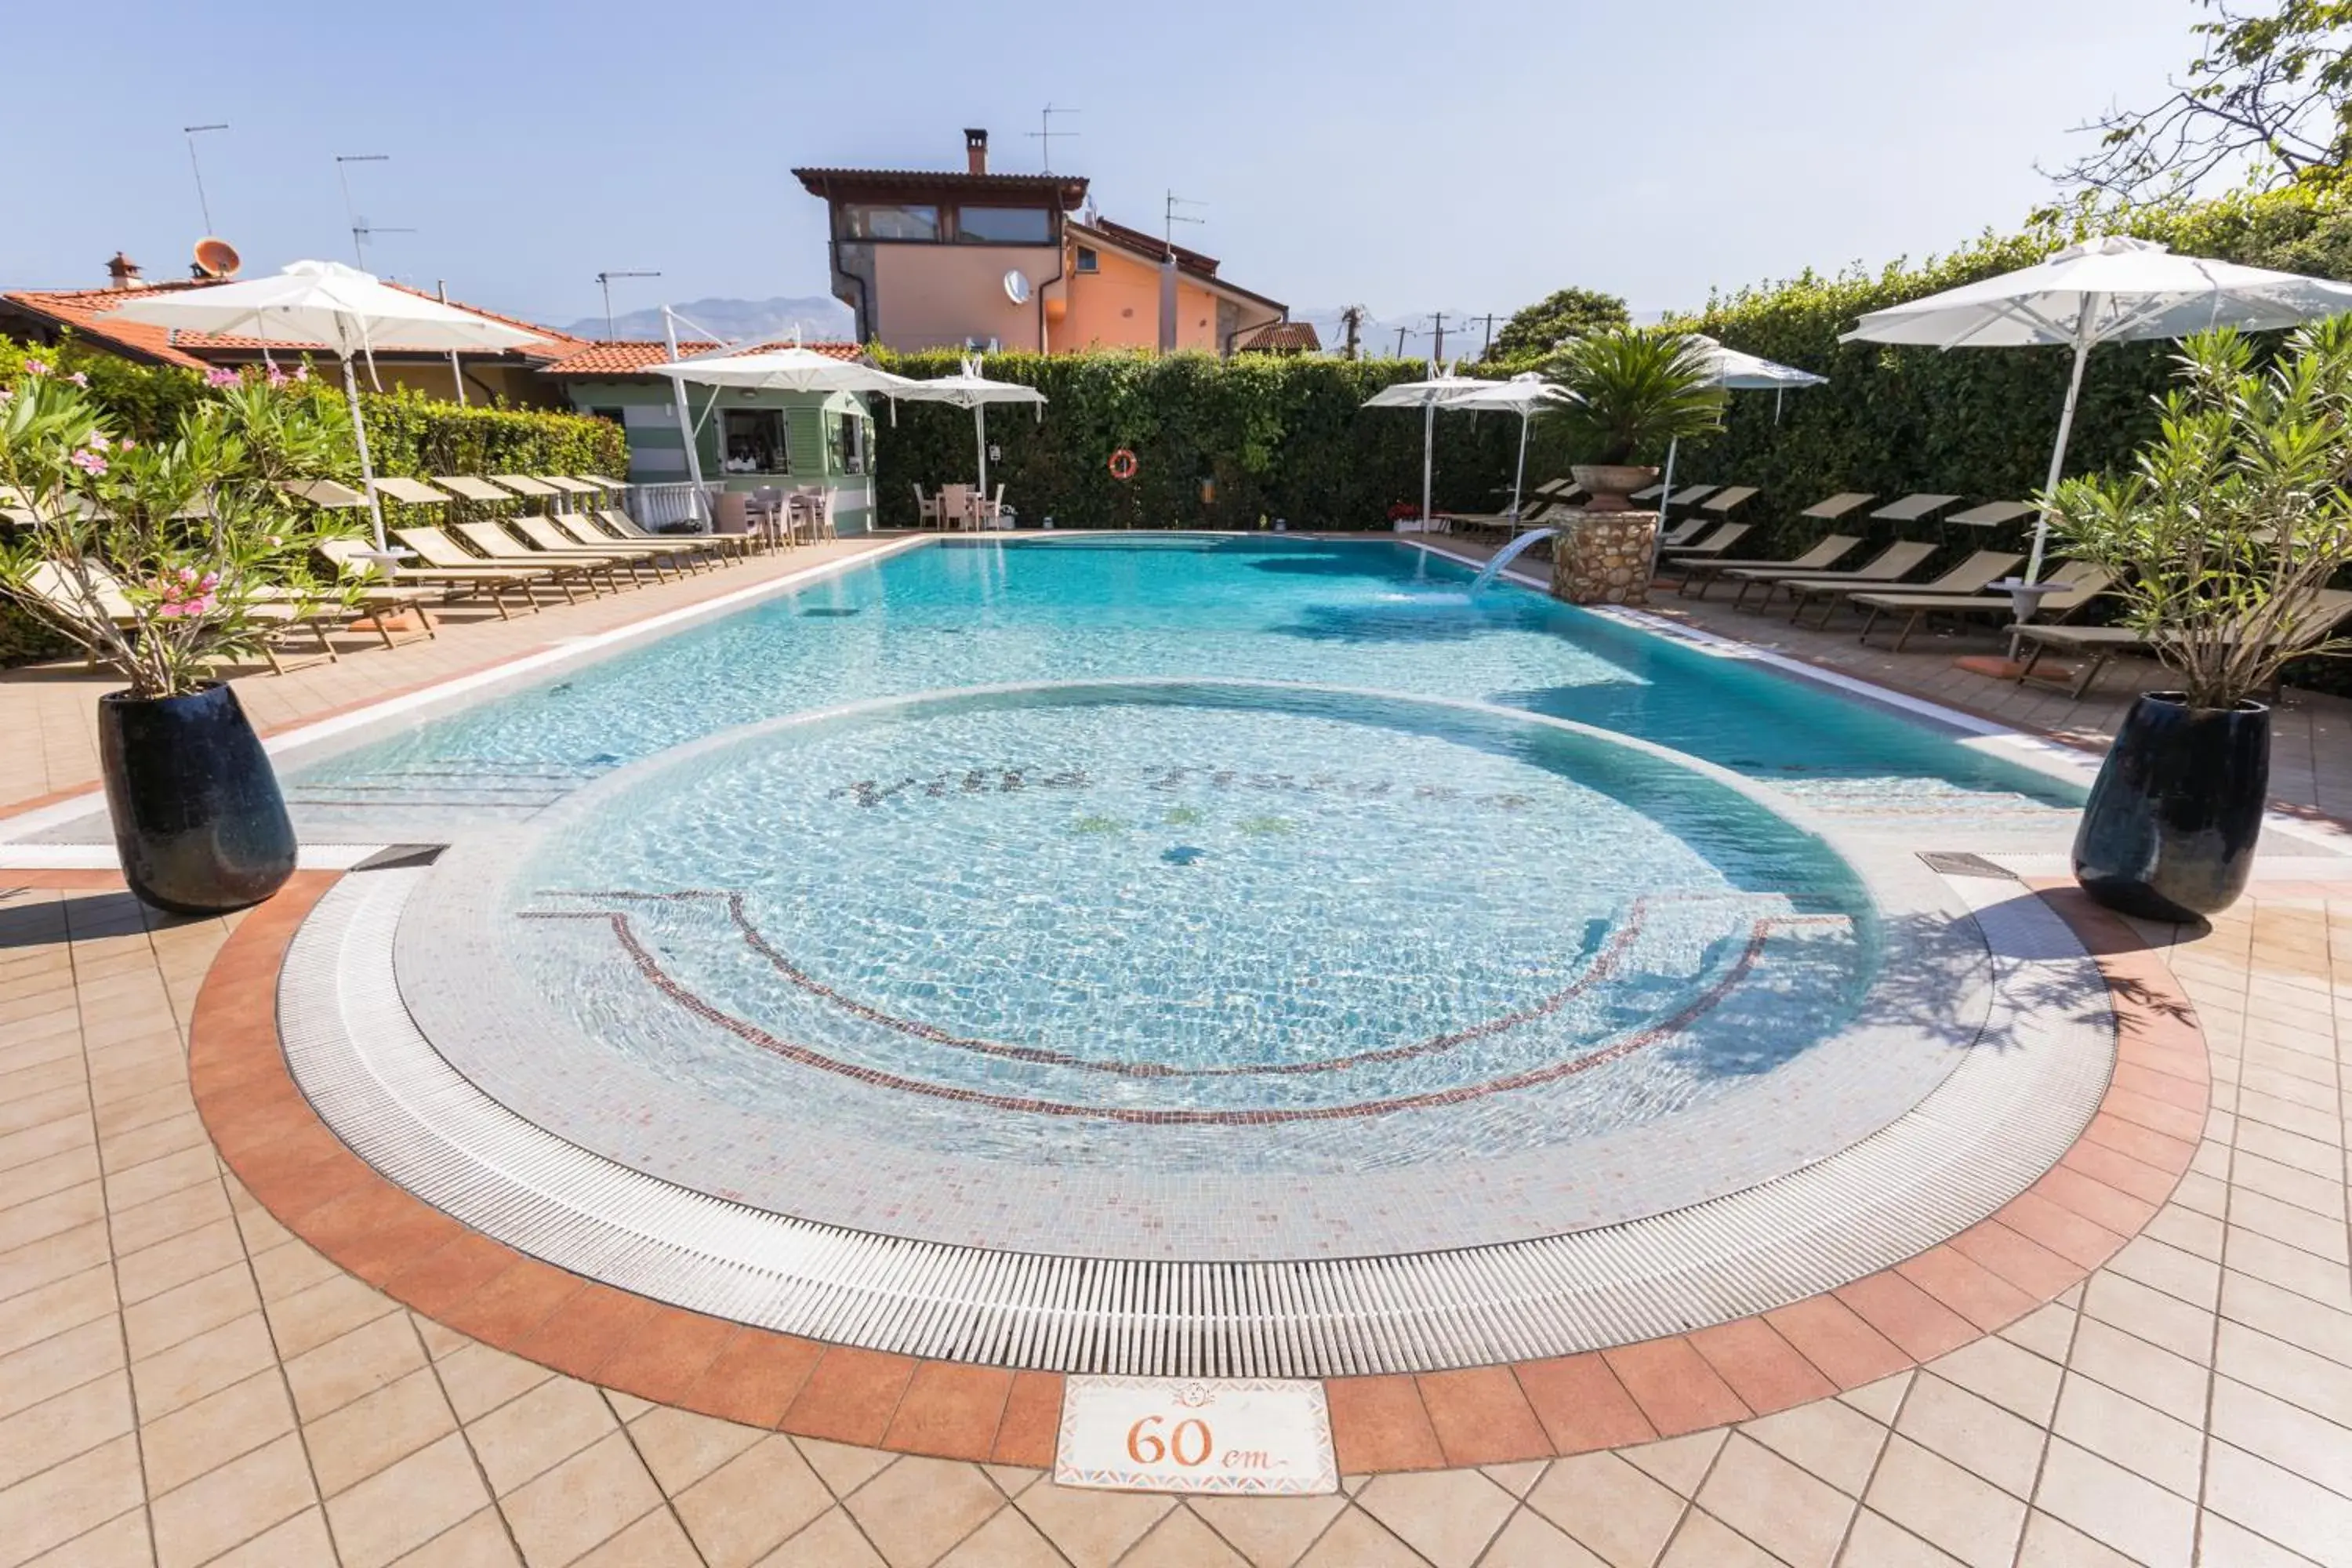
(637, 356)
(1282, 337)
(87, 311)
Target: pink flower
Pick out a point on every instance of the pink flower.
(89, 462)
(37, 368)
(221, 376)
(78, 379)
(276, 377)
(6, 396)
(301, 373)
(96, 441)
(186, 609)
(125, 444)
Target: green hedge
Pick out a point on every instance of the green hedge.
(1977, 423)
(1271, 438)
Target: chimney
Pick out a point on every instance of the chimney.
(122, 273)
(975, 149)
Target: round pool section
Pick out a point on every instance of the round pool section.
(1190, 970)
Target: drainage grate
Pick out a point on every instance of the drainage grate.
(1992, 1128)
(1954, 863)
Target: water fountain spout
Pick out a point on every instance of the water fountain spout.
(1509, 554)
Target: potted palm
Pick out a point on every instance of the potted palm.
(2225, 535)
(160, 559)
(1636, 391)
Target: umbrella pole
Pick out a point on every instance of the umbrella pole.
(367, 468)
(1519, 474)
(2058, 452)
(1665, 488)
(980, 430)
(1428, 446)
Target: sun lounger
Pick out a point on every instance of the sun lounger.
(2082, 583)
(1826, 553)
(445, 555)
(725, 546)
(1970, 575)
(577, 526)
(472, 488)
(1885, 567)
(1716, 544)
(2097, 645)
(1723, 500)
(541, 533)
(1991, 514)
(1829, 509)
(348, 557)
(570, 565)
(104, 594)
(1913, 508)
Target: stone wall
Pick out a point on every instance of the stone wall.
(1603, 558)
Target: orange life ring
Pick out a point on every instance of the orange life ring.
(1122, 464)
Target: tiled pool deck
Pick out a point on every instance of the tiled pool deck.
(184, 1380)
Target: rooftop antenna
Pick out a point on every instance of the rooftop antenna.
(604, 281)
(361, 228)
(1044, 133)
(1173, 217)
(203, 203)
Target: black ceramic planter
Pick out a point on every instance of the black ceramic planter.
(2169, 830)
(198, 822)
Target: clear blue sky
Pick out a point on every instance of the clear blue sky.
(1473, 155)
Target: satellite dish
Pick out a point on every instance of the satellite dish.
(1016, 286)
(216, 259)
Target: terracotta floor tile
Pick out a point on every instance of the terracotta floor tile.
(1674, 1387)
(1033, 1420)
(1380, 1424)
(2102, 1205)
(519, 1299)
(1763, 1369)
(1968, 1287)
(2017, 1258)
(850, 1395)
(755, 1377)
(1581, 1404)
(592, 1323)
(438, 1281)
(2060, 1229)
(1825, 1331)
(665, 1356)
(1481, 1416)
(950, 1410)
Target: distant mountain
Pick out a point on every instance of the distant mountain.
(820, 317)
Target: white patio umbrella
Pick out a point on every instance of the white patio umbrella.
(1736, 371)
(787, 367)
(2107, 290)
(967, 388)
(1525, 395)
(352, 313)
(1437, 391)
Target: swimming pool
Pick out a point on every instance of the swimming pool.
(1368, 614)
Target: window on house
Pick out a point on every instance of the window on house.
(1004, 226)
(867, 220)
(755, 442)
(849, 444)
(1089, 260)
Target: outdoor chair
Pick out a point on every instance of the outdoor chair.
(1714, 544)
(2097, 645)
(445, 555)
(50, 581)
(1969, 578)
(1685, 532)
(991, 510)
(1723, 500)
(1888, 566)
(1826, 553)
(2082, 583)
(926, 509)
(955, 506)
(721, 546)
(348, 557)
(569, 565)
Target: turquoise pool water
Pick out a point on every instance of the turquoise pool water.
(1372, 613)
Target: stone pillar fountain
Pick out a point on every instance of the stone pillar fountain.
(1604, 557)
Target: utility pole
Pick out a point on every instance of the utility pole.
(604, 281)
(202, 203)
(361, 228)
(1352, 318)
(1488, 346)
(1437, 350)
(1044, 133)
(1400, 354)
